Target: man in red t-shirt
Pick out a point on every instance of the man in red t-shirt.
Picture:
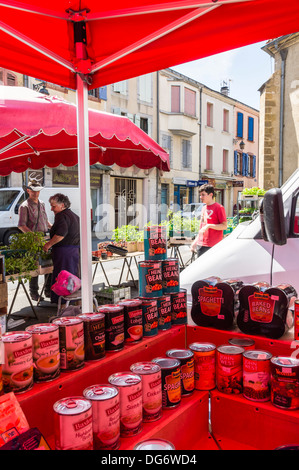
(212, 222)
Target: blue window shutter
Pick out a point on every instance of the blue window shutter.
(103, 93)
(250, 129)
(239, 124)
(236, 162)
(253, 166)
(244, 164)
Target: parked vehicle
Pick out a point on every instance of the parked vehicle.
(12, 198)
(192, 210)
(264, 249)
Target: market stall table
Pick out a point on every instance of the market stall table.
(126, 263)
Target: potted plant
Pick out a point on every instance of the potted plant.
(140, 240)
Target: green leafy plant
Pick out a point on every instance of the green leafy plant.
(255, 191)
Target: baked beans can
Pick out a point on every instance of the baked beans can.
(71, 342)
(245, 343)
(296, 320)
(155, 242)
(130, 390)
(164, 312)
(46, 354)
(204, 365)
(154, 444)
(256, 375)
(94, 335)
(150, 278)
(17, 371)
(170, 275)
(73, 424)
(229, 369)
(105, 416)
(285, 382)
(149, 316)
(114, 326)
(171, 381)
(150, 374)
(179, 307)
(186, 358)
(132, 320)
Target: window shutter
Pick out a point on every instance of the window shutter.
(250, 128)
(103, 93)
(239, 124)
(245, 164)
(235, 162)
(137, 120)
(175, 99)
(253, 166)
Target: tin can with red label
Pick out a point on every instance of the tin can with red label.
(245, 343)
(129, 386)
(150, 374)
(71, 342)
(179, 307)
(229, 369)
(105, 416)
(94, 335)
(256, 375)
(186, 358)
(114, 326)
(204, 365)
(132, 320)
(149, 316)
(164, 312)
(296, 320)
(46, 355)
(285, 382)
(17, 371)
(155, 242)
(171, 381)
(73, 424)
(171, 275)
(150, 278)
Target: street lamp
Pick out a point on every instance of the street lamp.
(242, 145)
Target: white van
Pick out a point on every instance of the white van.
(12, 198)
(265, 249)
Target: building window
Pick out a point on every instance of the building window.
(239, 124)
(225, 120)
(225, 161)
(100, 93)
(144, 124)
(175, 99)
(121, 87)
(125, 198)
(209, 157)
(210, 114)
(145, 92)
(8, 78)
(238, 163)
(251, 163)
(190, 102)
(250, 129)
(186, 154)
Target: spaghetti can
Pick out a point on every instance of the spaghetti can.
(149, 316)
(155, 242)
(179, 307)
(285, 382)
(73, 424)
(130, 391)
(94, 335)
(150, 278)
(150, 374)
(71, 342)
(186, 358)
(245, 343)
(46, 354)
(17, 371)
(204, 365)
(296, 320)
(105, 416)
(256, 375)
(114, 326)
(164, 312)
(171, 275)
(154, 444)
(229, 369)
(132, 320)
(171, 381)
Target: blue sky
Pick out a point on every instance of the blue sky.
(244, 69)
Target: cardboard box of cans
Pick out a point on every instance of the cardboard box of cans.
(3, 295)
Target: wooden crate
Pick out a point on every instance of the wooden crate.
(106, 297)
(3, 295)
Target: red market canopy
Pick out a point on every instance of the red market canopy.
(86, 44)
(38, 130)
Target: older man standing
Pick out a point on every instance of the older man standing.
(33, 218)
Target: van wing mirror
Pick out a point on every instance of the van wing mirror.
(272, 217)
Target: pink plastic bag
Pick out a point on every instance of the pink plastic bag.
(66, 283)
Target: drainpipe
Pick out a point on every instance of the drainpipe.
(283, 54)
(199, 136)
(158, 199)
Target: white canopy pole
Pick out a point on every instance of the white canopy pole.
(85, 201)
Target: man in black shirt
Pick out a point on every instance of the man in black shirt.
(64, 239)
